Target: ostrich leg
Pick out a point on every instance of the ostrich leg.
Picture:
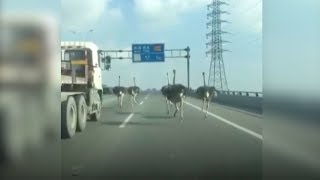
(131, 99)
(119, 105)
(134, 99)
(207, 109)
(177, 109)
(181, 109)
(121, 99)
(203, 102)
(167, 104)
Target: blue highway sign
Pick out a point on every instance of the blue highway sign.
(148, 53)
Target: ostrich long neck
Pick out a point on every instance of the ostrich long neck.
(119, 81)
(168, 79)
(174, 78)
(204, 80)
(134, 81)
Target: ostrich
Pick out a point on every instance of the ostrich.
(119, 91)
(176, 94)
(205, 93)
(164, 91)
(133, 91)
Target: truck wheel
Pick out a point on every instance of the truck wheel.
(96, 116)
(82, 113)
(68, 118)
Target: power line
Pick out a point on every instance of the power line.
(239, 34)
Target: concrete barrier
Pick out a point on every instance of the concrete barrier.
(248, 103)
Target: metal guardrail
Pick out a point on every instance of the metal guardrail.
(249, 101)
(241, 93)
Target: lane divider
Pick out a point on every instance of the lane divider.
(126, 121)
(145, 98)
(254, 134)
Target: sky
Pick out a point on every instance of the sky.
(117, 24)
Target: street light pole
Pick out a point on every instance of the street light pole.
(84, 35)
(188, 65)
(91, 30)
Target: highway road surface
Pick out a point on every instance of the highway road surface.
(149, 144)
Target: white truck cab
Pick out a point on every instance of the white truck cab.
(84, 56)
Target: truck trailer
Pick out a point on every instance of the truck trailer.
(81, 86)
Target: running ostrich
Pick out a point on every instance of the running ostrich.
(133, 91)
(119, 91)
(176, 94)
(205, 93)
(164, 91)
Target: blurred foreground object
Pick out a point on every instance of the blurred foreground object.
(29, 90)
(291, 110)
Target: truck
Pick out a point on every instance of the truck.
(81, 86)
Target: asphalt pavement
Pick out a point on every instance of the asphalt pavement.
(146, 143)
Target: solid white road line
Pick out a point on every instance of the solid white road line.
(125, 122)
(256, 135)
(239, 110)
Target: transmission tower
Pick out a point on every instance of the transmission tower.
(217, 74)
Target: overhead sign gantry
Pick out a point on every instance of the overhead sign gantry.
(146, 53)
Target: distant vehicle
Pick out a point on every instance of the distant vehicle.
(81, 86)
